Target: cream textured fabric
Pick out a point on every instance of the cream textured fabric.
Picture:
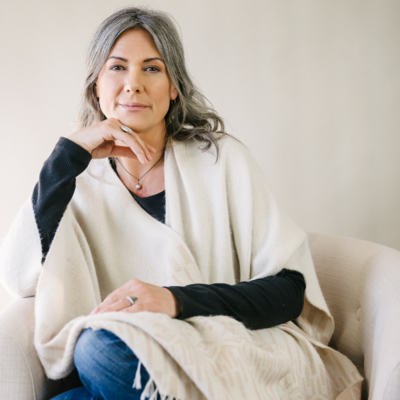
(360, 281)
(334, 257)
(216, 215)
(21, 374)
(392, 391)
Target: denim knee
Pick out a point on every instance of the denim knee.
(107, 366)
(85, 351)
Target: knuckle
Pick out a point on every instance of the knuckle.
(113, 297)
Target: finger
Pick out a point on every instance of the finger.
(132, 309)
(119, 305)
(152, 149)
(147, 149)
(109, 300)
(129, 140)
(135, 142)
(136, 148)
(144, 146)
(98, 309)
(123, 151)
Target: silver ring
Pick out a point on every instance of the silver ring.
(127, 129)
(132, 300)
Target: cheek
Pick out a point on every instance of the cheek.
(109, 87)
(161, 95)
(108, 93)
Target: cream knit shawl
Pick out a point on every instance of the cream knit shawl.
(222, 225)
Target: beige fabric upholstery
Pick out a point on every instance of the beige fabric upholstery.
(5, 297)
(21, 374)
(361, 284)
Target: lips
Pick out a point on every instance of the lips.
(134, 106)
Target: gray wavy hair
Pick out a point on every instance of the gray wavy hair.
(190, 116)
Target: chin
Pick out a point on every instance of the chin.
(141, 125)
(135, 126)
(142, 128)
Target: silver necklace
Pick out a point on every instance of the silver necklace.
(139, 186)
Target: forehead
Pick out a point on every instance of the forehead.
(135, 43)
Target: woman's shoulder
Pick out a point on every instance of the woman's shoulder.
(230, 145)
(226, 149)
(235, 155)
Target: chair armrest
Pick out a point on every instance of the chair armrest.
(381, 299)
(21, 374)
(360, 281)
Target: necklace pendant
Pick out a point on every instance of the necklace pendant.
(138, 186)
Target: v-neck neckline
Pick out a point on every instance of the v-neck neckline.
(114, 167)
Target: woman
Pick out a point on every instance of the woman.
(149, 150)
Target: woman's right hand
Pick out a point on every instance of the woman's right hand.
(99, 140)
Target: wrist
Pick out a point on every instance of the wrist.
(178, 307)
(74, 139)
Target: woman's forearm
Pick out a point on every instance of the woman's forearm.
(261, 303)
(56, 187)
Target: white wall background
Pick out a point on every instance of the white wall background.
(312, 87)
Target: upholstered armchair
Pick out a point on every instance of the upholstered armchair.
(361, 284)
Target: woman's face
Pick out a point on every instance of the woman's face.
(135, 73)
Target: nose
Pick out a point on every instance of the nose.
(133, 83)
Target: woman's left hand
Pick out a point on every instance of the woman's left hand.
(149, 298)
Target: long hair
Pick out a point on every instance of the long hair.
(190, 116)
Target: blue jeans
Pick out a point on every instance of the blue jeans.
(106, 367)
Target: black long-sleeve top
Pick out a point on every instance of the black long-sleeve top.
(260, 303)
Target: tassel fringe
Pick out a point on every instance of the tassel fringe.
(150, 391)
(137, 383)
(154, 395)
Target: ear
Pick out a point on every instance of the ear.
(174, 92)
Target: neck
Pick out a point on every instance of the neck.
(152, 173)
(146, 182)
(156, 138)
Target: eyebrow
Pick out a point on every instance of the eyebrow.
(146, 60)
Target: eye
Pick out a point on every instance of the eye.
(154, 69)
(116, 66)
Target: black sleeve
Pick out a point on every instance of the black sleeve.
(261, 303)
(56, 187)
